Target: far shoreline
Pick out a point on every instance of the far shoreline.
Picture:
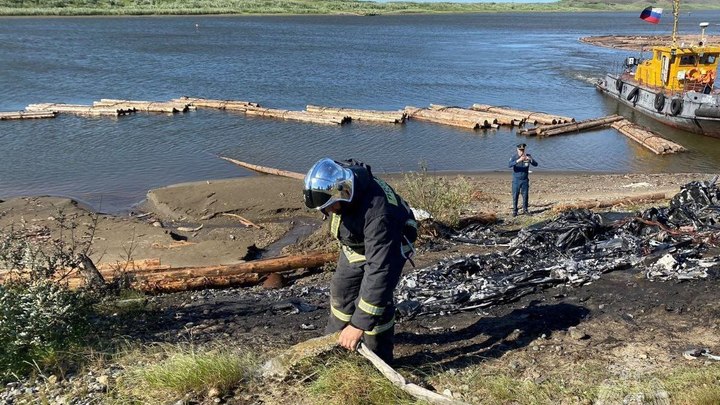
(470, 8)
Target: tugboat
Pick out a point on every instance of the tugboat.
(675, 85)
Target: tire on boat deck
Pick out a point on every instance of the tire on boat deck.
(634, 95)
(676, 106)
(659, 101)
(619, 85)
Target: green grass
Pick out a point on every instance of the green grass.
(299, 7)
(351, 380)
(586, 383)
(175, 370)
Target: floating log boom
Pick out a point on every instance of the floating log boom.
(26, 115)
(232, 105)
(446, 118)
(528, 116)
(581, 126)
(647, 138)
(265, 170)
(387, 117)
(145, 106)
(487, 118)
(79, 109)
(304, 116)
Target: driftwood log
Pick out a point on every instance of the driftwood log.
(384, 117)
(26, 115)
(529, 116)
(487, 118)
(158, 278)
(647, 138)
(265, 170)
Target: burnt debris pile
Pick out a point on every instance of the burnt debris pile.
(678, 242)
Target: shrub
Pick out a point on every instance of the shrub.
(444, 198)
(38, 319)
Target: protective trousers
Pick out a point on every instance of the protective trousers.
(520, 186)
(344, 298)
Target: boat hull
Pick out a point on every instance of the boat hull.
(694, 112)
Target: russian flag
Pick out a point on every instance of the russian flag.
(651, 15)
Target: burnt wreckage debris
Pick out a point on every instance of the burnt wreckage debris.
(678, 242)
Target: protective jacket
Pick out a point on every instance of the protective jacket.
(375, 231)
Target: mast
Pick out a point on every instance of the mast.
(676, 12)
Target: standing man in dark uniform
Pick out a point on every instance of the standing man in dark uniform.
(520, 163)
(376, 229)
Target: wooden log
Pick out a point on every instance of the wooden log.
(185, 278)
(266, 170)
(79, 109)
(273, 265)
(582, 125)
(442, 117)
(233, 105)
(303, 116)
(540, 128)
(647, 138)
(194, 283)
(388, 117)
(26, 115)
(146, 106)
(529, 116)
(610, 203)
(488, 119)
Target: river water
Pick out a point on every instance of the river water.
(525, 61)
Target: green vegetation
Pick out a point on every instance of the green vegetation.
(588, 383)
(351, 380)
(166, 372)
(187, 7)
(42, 323)
(443, 197)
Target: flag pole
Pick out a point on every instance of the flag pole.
(676, 12)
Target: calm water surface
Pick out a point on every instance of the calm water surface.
(525, 61)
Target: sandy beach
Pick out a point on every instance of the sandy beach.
(197, 224)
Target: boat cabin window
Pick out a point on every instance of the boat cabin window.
(658, 55)
(708, 59)
(687, 60)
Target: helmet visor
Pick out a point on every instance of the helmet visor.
(326, 183)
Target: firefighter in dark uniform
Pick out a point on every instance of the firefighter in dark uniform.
(376, 229)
